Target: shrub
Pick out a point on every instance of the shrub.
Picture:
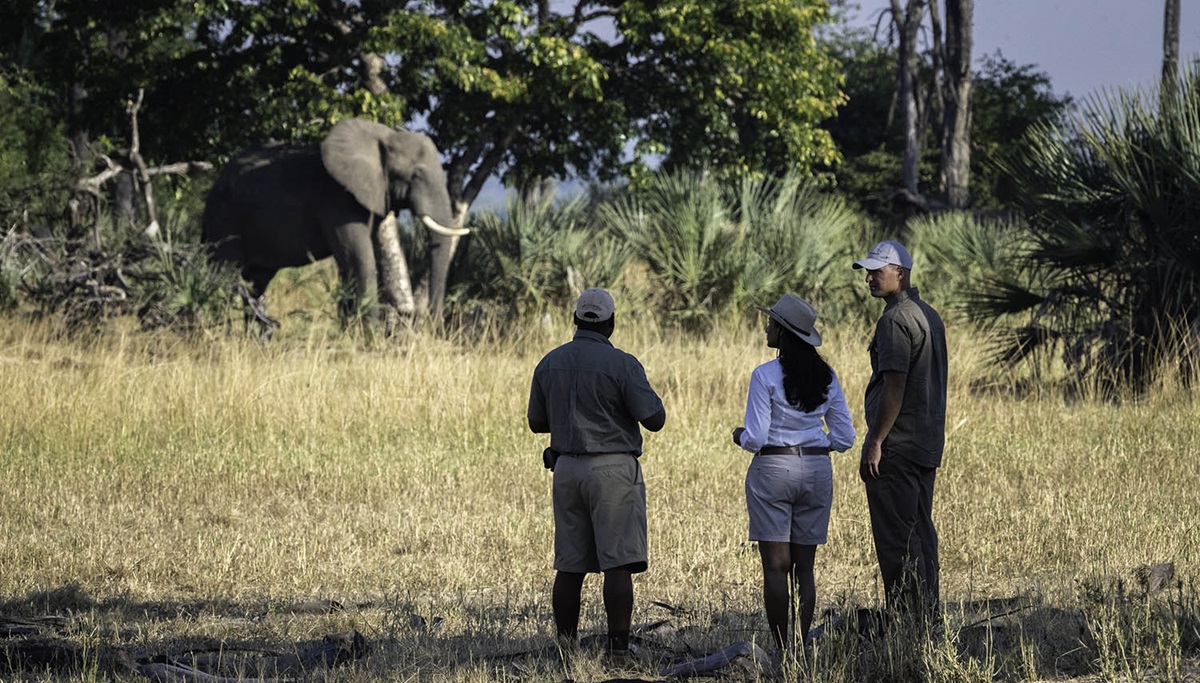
(541, 253)
(712, 248)
(1111, 274)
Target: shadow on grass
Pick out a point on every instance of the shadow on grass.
(1110, 628)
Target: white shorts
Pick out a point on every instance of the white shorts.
(788, 498)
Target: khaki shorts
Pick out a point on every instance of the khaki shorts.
(599, 514)
(789, 498)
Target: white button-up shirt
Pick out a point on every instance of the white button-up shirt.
(771, 420)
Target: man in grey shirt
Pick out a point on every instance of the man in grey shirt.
(906, 430)
(590, 397)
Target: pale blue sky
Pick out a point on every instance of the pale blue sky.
(1084, 45)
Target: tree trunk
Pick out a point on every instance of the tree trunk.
(1170, 67)
(956, 135)
(908, 21)
(124, 199)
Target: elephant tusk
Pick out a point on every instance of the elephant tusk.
(440, 229)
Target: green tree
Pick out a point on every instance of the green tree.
(1007, 100)
(523, 89)
(34, 174)
(91, 58)
(731, 84)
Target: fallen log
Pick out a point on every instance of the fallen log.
(744, 655)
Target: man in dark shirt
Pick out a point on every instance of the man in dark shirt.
(906, 430)
(590, 397)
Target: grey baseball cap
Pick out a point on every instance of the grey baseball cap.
(595, 305)
(885, 253)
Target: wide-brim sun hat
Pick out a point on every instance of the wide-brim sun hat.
(796, 316)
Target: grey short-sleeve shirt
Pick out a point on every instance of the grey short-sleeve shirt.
(593, 396)
(911, 339)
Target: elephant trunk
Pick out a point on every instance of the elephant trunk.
(441, 252)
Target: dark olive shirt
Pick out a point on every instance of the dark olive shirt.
(911, 339)
(593, 396)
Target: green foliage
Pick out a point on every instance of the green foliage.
(732, 84)
(541, 254)
(711, 247)
(1113, 267)
(804, 237)
(1006, 100)
(954, 252)
(34, 182)
(177, 287)
(682, 227)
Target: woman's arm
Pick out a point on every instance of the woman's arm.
(837, 419)
(758, 414)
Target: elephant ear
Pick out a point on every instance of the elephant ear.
(351, 154)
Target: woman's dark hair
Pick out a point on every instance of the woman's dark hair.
(806, 375)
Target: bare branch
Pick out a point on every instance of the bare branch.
(135, 156)
(181, 168)
(92, 185)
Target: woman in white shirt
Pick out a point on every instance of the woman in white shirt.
(796, 414)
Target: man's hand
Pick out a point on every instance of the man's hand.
(872, 453)
(737, 435)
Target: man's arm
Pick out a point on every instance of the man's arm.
(539, 421)
(891, 398)
(653, 423)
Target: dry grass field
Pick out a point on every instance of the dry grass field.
(164, 497)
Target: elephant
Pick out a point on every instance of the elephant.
(277, 207)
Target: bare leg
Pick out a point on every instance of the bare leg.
(803, 559)
(565, 601)
(776, 564)
(618, 605)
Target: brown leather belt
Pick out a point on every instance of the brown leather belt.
(793, 450)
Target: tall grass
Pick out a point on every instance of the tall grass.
(162, 491)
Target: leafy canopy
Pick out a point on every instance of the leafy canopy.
(525, 89)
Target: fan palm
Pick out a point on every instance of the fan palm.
(542, 253)
(712, 246)
(1111, 277)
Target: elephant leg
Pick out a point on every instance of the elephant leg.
(355, 255)
(255, 300)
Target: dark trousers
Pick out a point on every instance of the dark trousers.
(906, 543)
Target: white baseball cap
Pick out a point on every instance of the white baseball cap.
(885, 253)
(595, 305)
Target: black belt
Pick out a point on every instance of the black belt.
(793, 450)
